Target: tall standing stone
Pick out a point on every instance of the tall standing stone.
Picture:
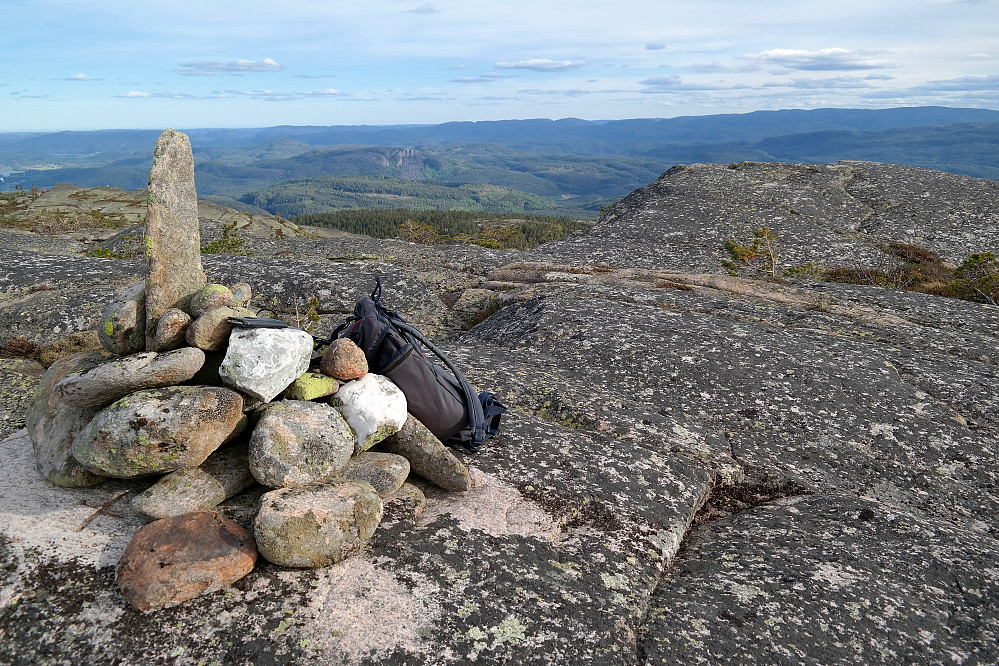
(173, 237)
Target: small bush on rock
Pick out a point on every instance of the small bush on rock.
(903, 266)
(230, 243)
(760, 254)
(977, 278)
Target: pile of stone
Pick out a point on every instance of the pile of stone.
(208, 410)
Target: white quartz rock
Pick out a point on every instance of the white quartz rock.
(262, 362)
(373, 406)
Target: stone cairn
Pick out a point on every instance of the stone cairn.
(208, 411)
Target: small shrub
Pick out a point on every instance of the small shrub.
(21, 347)
(760, 254)
(503, 237)
(812, 270)
(491, 243)
(977, 278)
(307, 314)
(230, 243)
(920, 263)
(869, 275)
(103, 253)
(99, 220)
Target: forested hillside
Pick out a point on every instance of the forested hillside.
(566, 167)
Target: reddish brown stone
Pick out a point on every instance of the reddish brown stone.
(175, 559)
(344, 360)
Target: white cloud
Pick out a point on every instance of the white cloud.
(282, 96)
(662, 81)
(569, 92)
(234, 67)
(172, 94)
(542, 65)
(423, 98)
(483, 78)
(821, 60)
(78, 77)
(329, 92)
(673, 83)
(426, 9)
(831, 83)
(714, 67)
(960, 84)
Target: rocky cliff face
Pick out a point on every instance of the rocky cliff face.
(696, 468)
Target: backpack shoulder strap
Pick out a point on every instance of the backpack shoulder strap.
(474, 404)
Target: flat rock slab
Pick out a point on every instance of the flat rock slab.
(827, 579)
(25, 240)
(537, 563)
(21, 270)
(224, 474)
(41, 521)
(121, 376)
(19, 378)
(815, 397)
(682, 219)
(176, 559)
(47, 316)
(64, 294)
(278, 284)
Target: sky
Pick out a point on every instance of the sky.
(110, 64)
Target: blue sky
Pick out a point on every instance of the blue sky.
(74, 64)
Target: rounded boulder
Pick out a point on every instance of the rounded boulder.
(176, 559)
(159, 430)
(316, 526)
(344, 360)
(297, 443)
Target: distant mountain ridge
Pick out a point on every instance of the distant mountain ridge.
(584, 136)
(578, 165)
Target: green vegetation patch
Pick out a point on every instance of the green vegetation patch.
(906, 266)
(229, 243)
